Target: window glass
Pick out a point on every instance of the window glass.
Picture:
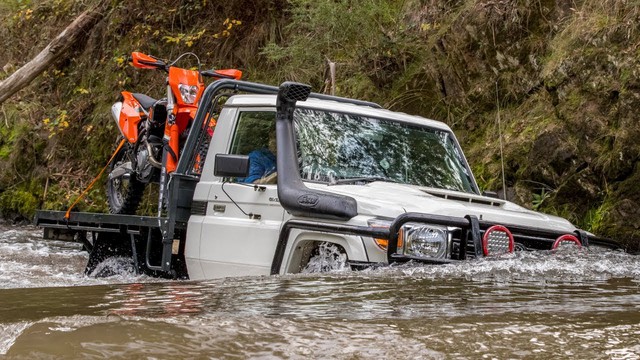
(252, 131)
(335, 146)
(255, 137)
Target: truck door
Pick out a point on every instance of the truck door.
(240, 232)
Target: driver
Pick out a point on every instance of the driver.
(262, 163)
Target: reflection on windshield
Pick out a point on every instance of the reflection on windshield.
(335, 146)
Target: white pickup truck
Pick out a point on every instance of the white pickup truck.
(354, 184)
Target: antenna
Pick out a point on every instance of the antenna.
(504, 183)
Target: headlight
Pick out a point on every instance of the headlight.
(416, 239)
(425, 241)
(188, 93)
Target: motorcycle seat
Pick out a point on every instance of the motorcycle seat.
(144, 100)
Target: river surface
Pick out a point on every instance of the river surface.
(571, 304)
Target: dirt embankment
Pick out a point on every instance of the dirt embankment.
(558, 80)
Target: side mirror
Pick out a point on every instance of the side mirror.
(228, 165)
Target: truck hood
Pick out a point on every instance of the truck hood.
(383, 199)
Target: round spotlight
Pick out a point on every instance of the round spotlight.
(566, 239)
(497, 240)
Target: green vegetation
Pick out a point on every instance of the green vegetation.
(562, 77)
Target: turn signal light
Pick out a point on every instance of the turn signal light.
(384, 243)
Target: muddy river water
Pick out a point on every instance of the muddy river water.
(571, 304)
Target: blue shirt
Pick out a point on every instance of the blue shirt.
(262, 162)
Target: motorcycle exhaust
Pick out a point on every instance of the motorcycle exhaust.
(152, 160)
(124, 169)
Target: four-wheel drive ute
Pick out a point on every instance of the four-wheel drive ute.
(353, 185)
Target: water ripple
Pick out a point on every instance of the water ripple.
(567, 304)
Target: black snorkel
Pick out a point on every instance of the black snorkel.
(293, 194)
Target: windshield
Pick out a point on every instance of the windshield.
(336, 147)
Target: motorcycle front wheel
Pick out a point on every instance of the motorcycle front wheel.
(123, 193)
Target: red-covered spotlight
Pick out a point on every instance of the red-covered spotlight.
(497, 240)
(566, 239)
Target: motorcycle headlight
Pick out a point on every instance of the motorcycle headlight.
(425, 241)
(188, 93)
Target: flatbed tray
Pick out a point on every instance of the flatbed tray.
(96, 222)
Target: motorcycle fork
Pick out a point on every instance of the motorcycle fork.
(168, 163)
(166, 140)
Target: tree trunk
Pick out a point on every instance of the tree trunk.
(330, 78)
(54, 51)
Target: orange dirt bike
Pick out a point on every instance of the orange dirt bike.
(154, 130)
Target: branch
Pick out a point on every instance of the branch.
(57, 49)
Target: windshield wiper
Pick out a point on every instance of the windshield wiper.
(366, 180)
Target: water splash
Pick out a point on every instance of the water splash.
(27, 261)
(10, 333)
(564, 264)
(329, 258)
(114, 266)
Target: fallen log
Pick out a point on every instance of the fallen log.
(56, 49)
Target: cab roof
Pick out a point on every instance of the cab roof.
(335, 106)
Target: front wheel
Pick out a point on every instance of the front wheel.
(123, 193)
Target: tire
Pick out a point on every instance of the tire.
(123, 195)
